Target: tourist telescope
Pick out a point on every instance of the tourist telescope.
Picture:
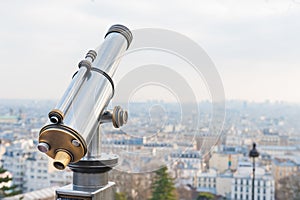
(72, 136)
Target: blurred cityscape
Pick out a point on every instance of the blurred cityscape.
(198, 160)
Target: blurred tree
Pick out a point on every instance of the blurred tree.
(289, 187)
(205, 196)
(184, 192)
(163, 186)
(133, 186)
(120, 196)
(5, 189)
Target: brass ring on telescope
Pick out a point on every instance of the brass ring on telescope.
(59, 138)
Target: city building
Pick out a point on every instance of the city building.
(269, 139)
(30, 169)
(9, 119)
(223, 184)
(42, 194)
(184, 165)
(241, 185)
(14, 160)
(223, 170)
(205, 181)
(237, 185)
(282, 168)
(60, 178)
(274, 150)
(225, 158)
(36, 172)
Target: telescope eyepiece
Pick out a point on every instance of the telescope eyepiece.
(61, 160)
(58, 165)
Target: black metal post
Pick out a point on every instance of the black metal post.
(253, 178)
(253, 154)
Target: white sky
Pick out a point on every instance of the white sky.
(254, 44)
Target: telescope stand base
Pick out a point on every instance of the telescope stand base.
(90, 180)
(105, 193)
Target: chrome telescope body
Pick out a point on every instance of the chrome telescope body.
(74, 121)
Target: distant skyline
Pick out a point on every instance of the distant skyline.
(255, 45)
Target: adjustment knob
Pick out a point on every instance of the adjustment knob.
(119, 117)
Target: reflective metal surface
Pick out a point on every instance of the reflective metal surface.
(85, 181)
(74, 128)
(77, 81)
(82, 105)
(104, 193)
(94, 148)
(96, 92)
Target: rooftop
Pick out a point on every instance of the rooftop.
(43, 194)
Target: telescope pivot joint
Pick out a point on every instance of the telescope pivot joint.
(118, 116)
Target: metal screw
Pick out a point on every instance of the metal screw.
(76, 143)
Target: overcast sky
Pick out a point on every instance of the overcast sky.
(255, 45)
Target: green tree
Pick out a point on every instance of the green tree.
(6, 191)
(120, 196)
(163, 186)
(205, 196)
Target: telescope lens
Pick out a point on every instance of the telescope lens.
(43, 147)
